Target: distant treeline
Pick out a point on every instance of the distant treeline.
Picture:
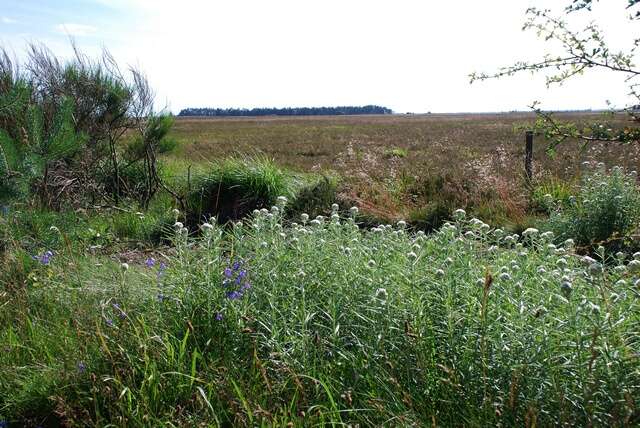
(288, 111)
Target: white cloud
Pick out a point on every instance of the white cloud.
(78, 30)
(6, 20)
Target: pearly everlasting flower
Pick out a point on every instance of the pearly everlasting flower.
(353, 211)
(595, 268)
(548, 235)
(124, 266)
(459, 214)
(620, 269)
(402, 224)
(634, 266)
(412, 255)
(334, 207)
(178, 225)
(504, 276)
(371, 263)
(206, 227)
(381, 294)
(440, 273)
(530, 232)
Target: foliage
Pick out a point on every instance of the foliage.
(606, 210)
(314, 197)
(234, 187)
(61, 125)
(549, 194)
(324, 323)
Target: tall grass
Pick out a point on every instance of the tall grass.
(325, 323)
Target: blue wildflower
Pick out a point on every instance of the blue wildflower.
(219, 316)
(150, 262)
(228, 273)
(82, 367)
(4, 424)
(109, 322)
(44, 258)
(236, 265)
(245, 286)
(234, 295)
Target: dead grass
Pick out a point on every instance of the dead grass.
(479, 155)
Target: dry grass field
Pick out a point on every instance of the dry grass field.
(397, 164)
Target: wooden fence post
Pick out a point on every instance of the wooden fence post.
(528, 156)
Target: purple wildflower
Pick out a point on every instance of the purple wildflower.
(4, 424)
(82, 367)
(245, 287)
(122, 314)
(219, 316)
(44, 258)
(109, 322)
(228, 273)
(234, 295)
(236, 265)
(150, 262)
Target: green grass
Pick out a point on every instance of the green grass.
(340, 325)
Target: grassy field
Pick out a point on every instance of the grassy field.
(121, 316)
(395, 165)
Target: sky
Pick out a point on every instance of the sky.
(408, 55)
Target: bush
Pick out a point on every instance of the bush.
(548, 195)
(235, 187)
(606, 211)
(314, 198)
(431, 217)
(167, 145)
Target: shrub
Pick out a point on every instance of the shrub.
(431, 217)
(549, 194)
(167, 145)
(314, 198)
(235, 187)
(605, 211)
